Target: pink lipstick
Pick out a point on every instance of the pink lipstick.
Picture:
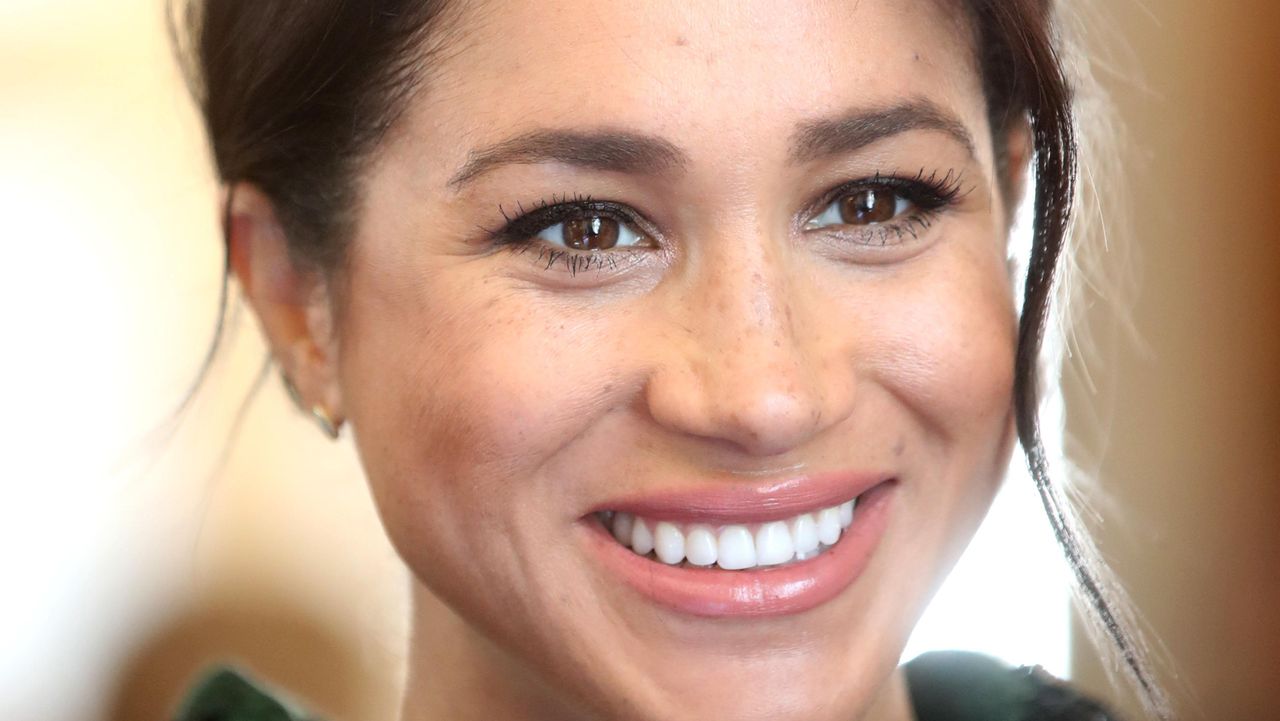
(744, 548)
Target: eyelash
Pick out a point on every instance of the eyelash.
(928, 196)
(520, 228)
(528, 222)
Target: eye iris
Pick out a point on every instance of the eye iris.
(591, 233)
(868, 206)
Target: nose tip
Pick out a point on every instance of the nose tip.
(760, 408)
(771, 422)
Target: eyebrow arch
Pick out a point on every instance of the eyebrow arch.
(853, 130)
(630, 152)
(615, 150)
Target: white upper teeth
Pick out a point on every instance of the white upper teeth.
(829, 525)
(668, 543)
(736, 546)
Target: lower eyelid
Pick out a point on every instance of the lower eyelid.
(549, 259)
(897, 232)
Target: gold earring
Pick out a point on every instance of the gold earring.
(326, 421)
(322, 416)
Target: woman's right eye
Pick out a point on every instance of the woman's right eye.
(593, 232)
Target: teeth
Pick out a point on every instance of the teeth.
(700, 546)
(774, 544)
(733, 547)
(668, 543)
(622, 523)
(846, 513)
(736, 549)
(641, 539)
(804, 533)
(828, 526)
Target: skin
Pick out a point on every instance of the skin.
(495, 402)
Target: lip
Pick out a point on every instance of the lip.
(761, 592)
(741, 502)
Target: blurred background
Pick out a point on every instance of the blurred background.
(138, 546)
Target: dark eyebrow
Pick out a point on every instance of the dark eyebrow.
(614, 150)
(855, 129)
(629, 152)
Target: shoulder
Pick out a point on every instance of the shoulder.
(962, 686)
(225, 694)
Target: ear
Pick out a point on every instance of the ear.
(292, 303)
(1016, 165)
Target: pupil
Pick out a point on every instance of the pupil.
(593, 233)
(867, 206)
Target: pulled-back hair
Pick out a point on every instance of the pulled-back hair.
(296, 97)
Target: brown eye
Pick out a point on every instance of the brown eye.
(591, 233)
(867, 206)
(594, 232)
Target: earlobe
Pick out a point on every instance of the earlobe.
(331, 425)
(290, 301)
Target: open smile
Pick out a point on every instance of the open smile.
(755, 550)
(732, 547)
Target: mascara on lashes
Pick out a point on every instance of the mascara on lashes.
(928, 193)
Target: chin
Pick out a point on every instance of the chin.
(809, 683)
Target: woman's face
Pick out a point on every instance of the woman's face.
(717, 265)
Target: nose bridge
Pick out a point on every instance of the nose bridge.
(746, 308)
(753, 371)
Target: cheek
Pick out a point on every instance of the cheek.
(936, 379)
(946, 350)
(948, 363)
(457, 394)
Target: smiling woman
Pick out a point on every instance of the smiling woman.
(678, 341)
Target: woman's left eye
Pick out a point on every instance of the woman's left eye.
(862, 207)
(592, 232)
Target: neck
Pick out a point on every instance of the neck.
(456, 674)
(893, 703)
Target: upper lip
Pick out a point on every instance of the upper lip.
(754, 501)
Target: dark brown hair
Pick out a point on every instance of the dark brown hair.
(296, 97)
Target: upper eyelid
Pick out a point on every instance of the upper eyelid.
(549, 211)
(530, 222)
(953, 191)
(950, 184)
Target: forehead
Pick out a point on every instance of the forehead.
(713, 72)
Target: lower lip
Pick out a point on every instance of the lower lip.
(776, 591)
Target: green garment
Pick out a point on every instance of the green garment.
(945, 686)
(226, 695)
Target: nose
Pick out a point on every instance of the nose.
(752, 358)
